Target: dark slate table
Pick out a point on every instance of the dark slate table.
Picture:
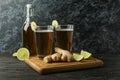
(13, 69)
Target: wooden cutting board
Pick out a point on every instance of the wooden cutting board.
(45, 68)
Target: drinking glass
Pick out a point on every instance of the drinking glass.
(64, 37)
(44, 40)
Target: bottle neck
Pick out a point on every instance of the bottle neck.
(29, 12)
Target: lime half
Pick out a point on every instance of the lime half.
(23, 53)
(85, 54)
(55, 23)
(77, 57)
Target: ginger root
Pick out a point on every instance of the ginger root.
(52, 58)
(66, 55)
(47, 59)
(60, 55)
(56, 57)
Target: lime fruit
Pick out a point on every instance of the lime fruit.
(23, 53)
(85, 54)
(55, 23)
(77, 57)
(34, 26)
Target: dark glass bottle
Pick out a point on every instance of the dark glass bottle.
(28, 37)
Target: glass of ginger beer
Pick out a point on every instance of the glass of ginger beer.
(64, 37)
(44, 40)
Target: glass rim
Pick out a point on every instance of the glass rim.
(47, 30)
(66, 25)
(44, 25)
(44, 28)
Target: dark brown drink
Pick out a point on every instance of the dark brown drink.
(29, 41)
(64, 39)
(44, 40)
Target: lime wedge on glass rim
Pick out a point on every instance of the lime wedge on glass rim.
(34, 26)
(85, 54)
(22, 54)
(55, 23)
(77, 57)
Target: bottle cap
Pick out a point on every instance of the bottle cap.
(28, 5)
(30, 10)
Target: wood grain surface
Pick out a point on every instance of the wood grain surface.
(13, 69)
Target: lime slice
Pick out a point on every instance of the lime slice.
(55, 23)
(23, 53)
(85, 54)
(34, 26)
(77, 57)
(14, 54)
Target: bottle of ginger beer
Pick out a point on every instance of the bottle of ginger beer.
(28, 38)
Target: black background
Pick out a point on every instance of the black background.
(97, 22)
